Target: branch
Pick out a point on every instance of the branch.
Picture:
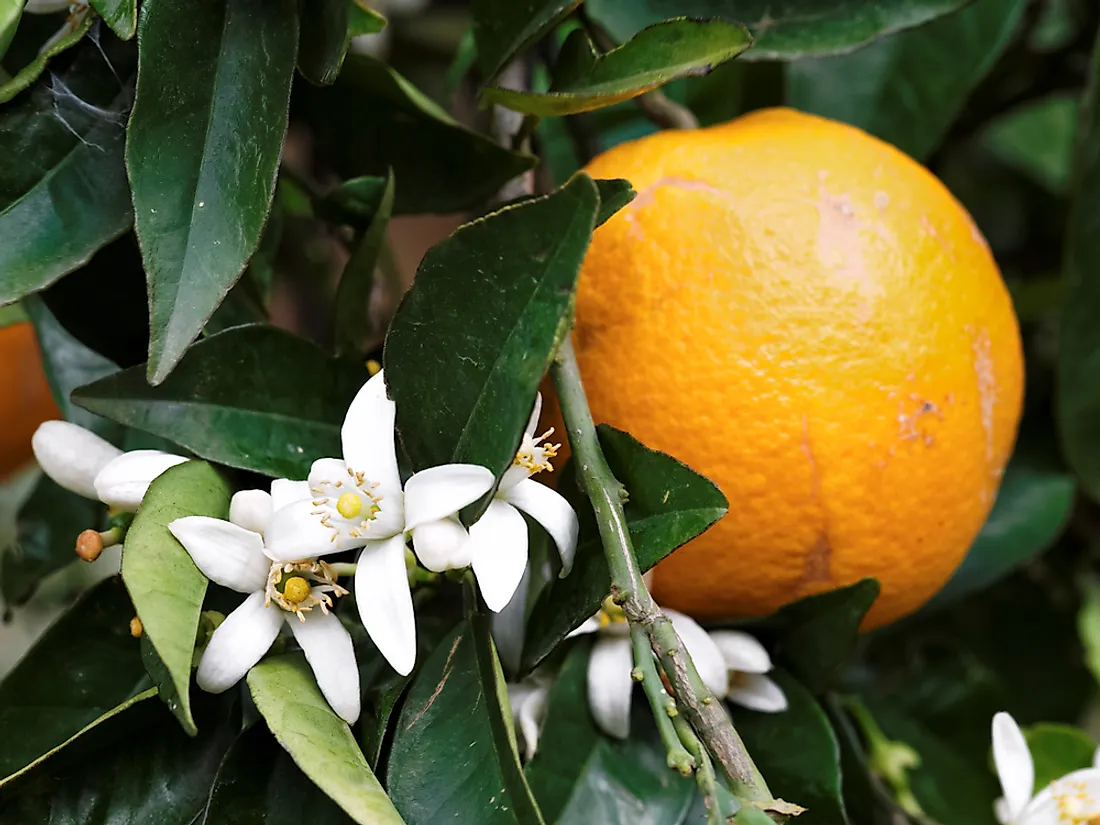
(663, 706)
(666, 112)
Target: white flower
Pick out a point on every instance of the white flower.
(732, 664)
(528, 701)
(231, 553)
(82, 462)
(496, 545)
(357, 502)
(1072, 800)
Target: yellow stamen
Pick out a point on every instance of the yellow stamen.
(296, 590)
(349, 505)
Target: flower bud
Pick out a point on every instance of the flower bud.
(89, 545)
(122, 483)
(72, 456)
(250, 509)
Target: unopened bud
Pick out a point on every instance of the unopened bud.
(637, 675)
(136, 627)
(373, 367)
(89, 545)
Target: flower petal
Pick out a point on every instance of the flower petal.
(122, 483)
(1014, 766)
(385, 602)
(553, 512)
(368, 436)
(589, 625)
(442, 491)
(498, 553)
(329, 651)
(330, 470)
(529, 709)
(238, 643)
(295, 532)
(757, 692)
(742, 652)
(225, 553)
(442, 545)
(704, 652)
(251, 509)
(1073, 798)
(610, 685)
(533, 420)
(509, 625)
(284, 492)
(71, 455)
(47, 7)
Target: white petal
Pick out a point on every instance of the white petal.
(742, 652)
(509, 624)
(328, 470)
(284, 492)
(225, 553)
(368, 434)
(704, 652)
(251, 509)
(757, 692)
(385, 602)
(590, 625)
(295, 533)
(122, 483)
(512, 476)
(553, 512)
(1096, 759)
(533, 421)
(1000, 811)
(1013, 760)
(498, 553)
(239, 642)
(1073, 798)
(329, 651)
(71, 455)
(529, 713)
(442, 545)
(47, 7)
(442, 491)
(610, 684)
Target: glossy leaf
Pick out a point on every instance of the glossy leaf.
(1037, 139)
(351, 321)
(252, 397)
(614, 195)
(1078, 402)
(85, 669)
(12, 86)
(504, 28)
(363, 20)
(10, 12)
(202, 152)
(585, 80)
(67, 196)
(353, 202)
(781, 31)
(490, 341)
(323, 39)
(166, 587)
(120, 15)
(908, 88)
(669, 504)
(318, 740)
(1058, 750)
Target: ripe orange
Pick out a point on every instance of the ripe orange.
(25, 400)
(808, 317)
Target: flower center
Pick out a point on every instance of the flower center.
(1075, 805)
(346, 506)
(611, 613)
(534, 456)
(349, 505)
(298, 587)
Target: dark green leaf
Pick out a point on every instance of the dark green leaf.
(85, 669)
(1037, 139)
(797, 752)
(354, 201)
(669, 504)
(363, 20)
(166, 587)
(862, 791)
(318, 740)
(504, 28)
(1057, 750)
(908, 88)
(1078, 406)
(323, 40)
(585, 80)
(614, 195)
(67, 195)
(351, 321)
(120, 15)
(202, 151)
(252, 397)
(10, 87)
(482, 320)
(781, 31)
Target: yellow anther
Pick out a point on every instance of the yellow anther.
(373, 367)
(296, 590)
(349, 505)
(136, 627)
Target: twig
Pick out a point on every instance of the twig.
(704, 772)
(665, 112)
(663, 706)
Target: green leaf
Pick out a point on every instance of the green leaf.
(908, 88)
(82, 671)
(318, 740)
(614, 195)
(120, 15)
(454, 755)
(10, 87)
(363, 20)
(202, 152)
(1057, 750)
(323, 39)
(353, 202)
(67, 196)
(504, 28)
(10, 12)
(798, 753)
(480, 325)
(373, 119)
(580, 776)
(252, 397)
(166, 587)
(351, 321)
(585, 80)
(781, 31)
(669, 504)
(1037, 140)
(1088, 627)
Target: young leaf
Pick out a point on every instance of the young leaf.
(669, 504)
(323, 39)
(363, 20)
(166, 587)
(120, 15)
(85, 669)
(10, 12)
(11, 86)
(1058, 750)
(318, 740)
(479, 327)
(202, 151)
(614, 195)
(585, 80)
(504, 28)
(253, 397)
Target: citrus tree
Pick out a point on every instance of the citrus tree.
(412, 554)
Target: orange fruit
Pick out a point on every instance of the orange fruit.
(25, 399)
(805, 315)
